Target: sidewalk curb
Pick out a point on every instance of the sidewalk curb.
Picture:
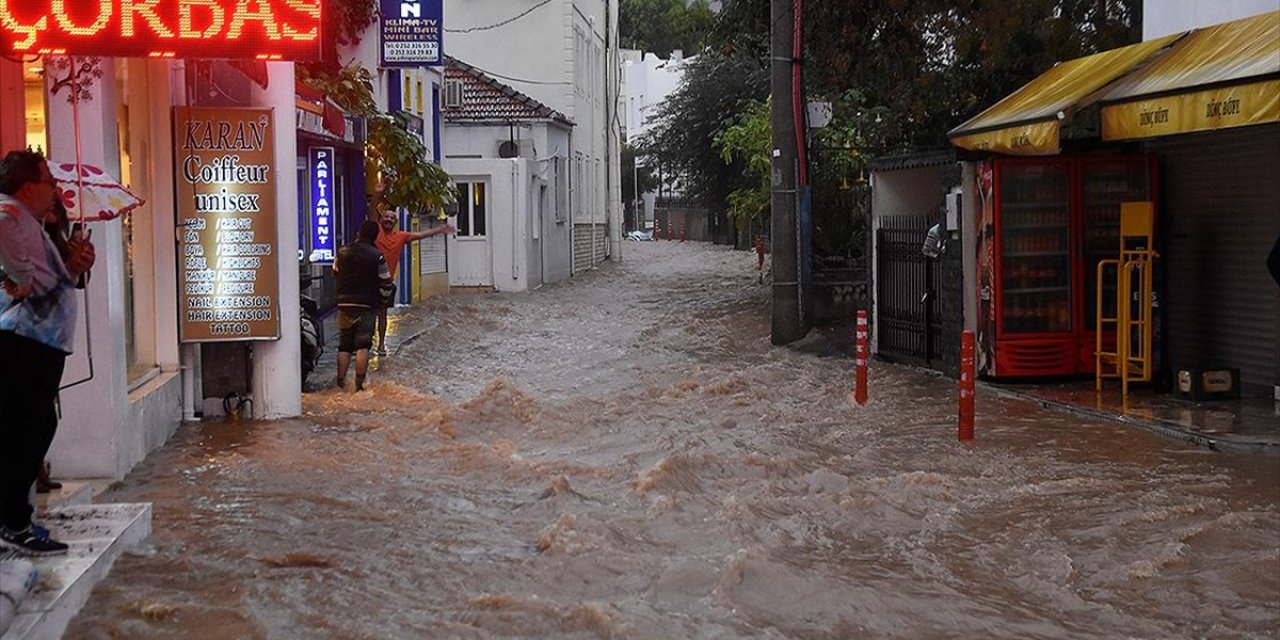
(1167, 429)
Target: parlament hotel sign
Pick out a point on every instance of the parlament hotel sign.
(228, 265)
(236, 29)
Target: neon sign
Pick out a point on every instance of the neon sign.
(230, 29)
(321, 165)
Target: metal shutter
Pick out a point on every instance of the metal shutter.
(432, 255)
(1220, 207)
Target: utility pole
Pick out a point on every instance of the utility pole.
(786, 321)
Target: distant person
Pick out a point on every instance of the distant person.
(37, 329)
(392, 242)
(364, 285)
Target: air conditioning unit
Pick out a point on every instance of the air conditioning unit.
(515, 148)
(453, 94)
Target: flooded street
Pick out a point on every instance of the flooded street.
(625, 455)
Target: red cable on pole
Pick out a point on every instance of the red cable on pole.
(967, 375)
(797, 106)
(860, 360)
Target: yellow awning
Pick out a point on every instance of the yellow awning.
(1219, 77)
(1026, 122)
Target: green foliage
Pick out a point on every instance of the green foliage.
(409, 179)
(935, 63)
(661, 26)
(748, 142)
(716, 89)
(630, 172)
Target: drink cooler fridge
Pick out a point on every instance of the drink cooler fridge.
(1054, 219)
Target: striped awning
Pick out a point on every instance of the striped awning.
(1218, 77)
(1027, 121)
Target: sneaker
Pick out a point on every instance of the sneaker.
(28, 542)
(382, 352)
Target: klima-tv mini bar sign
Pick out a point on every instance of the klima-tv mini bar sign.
(412, 33)
(244, 29)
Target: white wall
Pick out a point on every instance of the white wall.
(513, 201)
(909, 192)
(1163, 17)
(556, 55)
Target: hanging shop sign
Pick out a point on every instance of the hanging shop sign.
(229, 29)
(412, 33)
(228, 267)
(320, 169)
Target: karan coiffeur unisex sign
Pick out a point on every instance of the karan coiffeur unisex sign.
(228, 265)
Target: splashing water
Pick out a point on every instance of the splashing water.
(626, 456)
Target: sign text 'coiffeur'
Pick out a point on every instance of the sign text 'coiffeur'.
(228, 270)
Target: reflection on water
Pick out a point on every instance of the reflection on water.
(626, 456)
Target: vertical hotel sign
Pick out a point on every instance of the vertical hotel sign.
(320, 163)
(228, 265)
(412, 33)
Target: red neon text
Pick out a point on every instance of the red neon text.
(187, 28)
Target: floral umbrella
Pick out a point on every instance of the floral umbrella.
(91, 194)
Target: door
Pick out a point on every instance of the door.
(470, 252)
(905, 306)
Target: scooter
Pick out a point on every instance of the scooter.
(311, 328)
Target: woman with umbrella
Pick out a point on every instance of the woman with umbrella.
(37, 322)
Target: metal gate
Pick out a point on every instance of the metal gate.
(908, 304)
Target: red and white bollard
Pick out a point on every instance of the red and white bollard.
(683, 231)
(967, 374)
(860, 360)
(671, 229)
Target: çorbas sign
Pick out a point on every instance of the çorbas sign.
(262, 29)
(228, 265)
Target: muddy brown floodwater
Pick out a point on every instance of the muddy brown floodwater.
(626, 456)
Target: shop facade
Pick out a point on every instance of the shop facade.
(1189, 122)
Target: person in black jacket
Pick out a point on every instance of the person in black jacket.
(364, 285)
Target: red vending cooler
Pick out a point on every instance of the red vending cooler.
(1048, 221)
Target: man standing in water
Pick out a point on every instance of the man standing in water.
(364, 285)
(392, 242)
(37, 328)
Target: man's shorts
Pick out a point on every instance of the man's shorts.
(355, 328)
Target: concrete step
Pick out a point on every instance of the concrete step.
(97, 534)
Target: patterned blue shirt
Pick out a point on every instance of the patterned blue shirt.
(28, 256)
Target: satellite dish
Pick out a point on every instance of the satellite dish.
(508, 149)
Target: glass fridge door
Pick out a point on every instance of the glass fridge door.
(1035, 243)
(1104, 184)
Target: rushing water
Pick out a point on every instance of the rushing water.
(626, 456)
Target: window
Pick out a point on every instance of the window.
(471, 209)
(418, 86)
(406, 97)
(453, 94)
(133, 135)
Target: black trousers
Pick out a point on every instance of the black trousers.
(29, 376)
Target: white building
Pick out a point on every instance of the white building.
(132, 379)
(562, 53)
(647, 83)
(508, 155)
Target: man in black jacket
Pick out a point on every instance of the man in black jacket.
(364, 285)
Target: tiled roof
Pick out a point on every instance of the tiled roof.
(485, 98)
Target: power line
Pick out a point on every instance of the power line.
(511, 79)
(503, 23)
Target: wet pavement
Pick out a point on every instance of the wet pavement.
(626, 456)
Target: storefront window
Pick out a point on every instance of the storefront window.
(34, 110)
(132, 113)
